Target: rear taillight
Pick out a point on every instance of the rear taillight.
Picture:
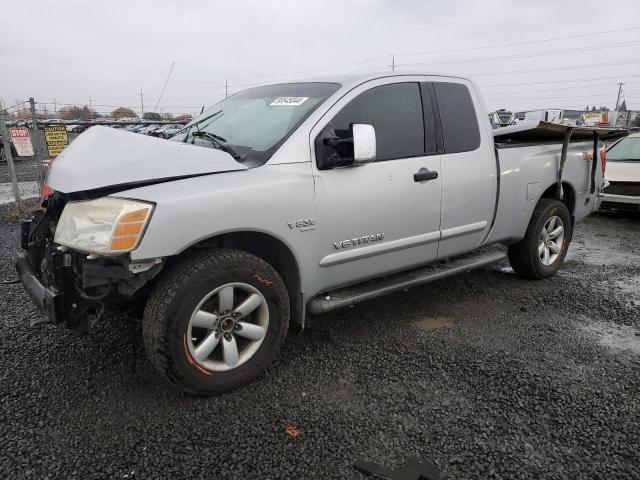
(603, 160)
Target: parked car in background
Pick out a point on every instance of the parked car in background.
(148, 129)
(137, 128)
(168, 131)
(70, 128)
(81, 128)
(623, 175)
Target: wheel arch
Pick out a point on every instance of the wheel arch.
(568, 196)
(272, 250)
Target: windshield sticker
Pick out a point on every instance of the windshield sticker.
(291, 101)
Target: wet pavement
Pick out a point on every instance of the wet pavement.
(487, 375)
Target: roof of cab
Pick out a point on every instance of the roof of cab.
(358, 78)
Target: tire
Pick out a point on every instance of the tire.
(527, 257)
(171, 335)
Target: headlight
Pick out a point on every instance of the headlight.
(107, 226)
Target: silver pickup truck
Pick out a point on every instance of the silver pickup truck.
(295, 199)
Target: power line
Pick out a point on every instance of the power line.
(574, 87)
(14, 106)
(554, 69)
(381, 57)
(527, 55)
(514, 44)
(561, 96)
(616, 77)
(127, 105)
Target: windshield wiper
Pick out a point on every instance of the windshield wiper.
(208, 117)
(219, 141)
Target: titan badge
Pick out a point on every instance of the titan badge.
(356, 242)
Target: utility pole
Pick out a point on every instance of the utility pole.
(619, 93)
(55, 108)
(393, 63)
(141, 103)
(36, 138)
(7, 155)
(89, 102)
(226, 88)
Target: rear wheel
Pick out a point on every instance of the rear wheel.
(542, 250)
(216, 321)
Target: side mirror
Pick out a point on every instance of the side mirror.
(345, 148)
(364, 143)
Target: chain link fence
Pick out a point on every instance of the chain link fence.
(21, 177)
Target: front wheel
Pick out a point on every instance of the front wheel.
(542, 250)
(216, 321)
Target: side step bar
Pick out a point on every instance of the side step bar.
(350, 295)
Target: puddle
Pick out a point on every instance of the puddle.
(617, 337)
(433, 323)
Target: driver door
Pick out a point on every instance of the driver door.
(378, 218)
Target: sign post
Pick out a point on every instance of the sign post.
(36, 138)
(56, 138)
(7, 155)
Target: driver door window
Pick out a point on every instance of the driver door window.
(390, 109)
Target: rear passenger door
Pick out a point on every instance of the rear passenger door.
(468, 168)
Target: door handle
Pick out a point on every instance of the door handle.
(423, 175)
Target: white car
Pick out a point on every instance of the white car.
(623, 175)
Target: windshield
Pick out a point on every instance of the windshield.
(255, 122)
(627, 149)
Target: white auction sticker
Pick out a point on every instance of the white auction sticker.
(291, 101)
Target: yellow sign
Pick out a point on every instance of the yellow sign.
(56, 138)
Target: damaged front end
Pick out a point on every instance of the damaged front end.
(71, 287)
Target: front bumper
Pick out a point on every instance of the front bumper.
(69, 286)
(48, 300)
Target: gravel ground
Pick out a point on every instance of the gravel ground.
(486, 374)
(26, 171)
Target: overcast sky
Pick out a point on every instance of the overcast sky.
(74, 50)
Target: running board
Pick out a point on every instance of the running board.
(350, 295)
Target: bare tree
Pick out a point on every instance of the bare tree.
(124, 112)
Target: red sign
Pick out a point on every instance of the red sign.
(21, 141)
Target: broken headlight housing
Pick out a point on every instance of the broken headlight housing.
(106, 226)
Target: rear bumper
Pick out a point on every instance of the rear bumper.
(48, 300)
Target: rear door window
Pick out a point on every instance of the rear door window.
(458, 118)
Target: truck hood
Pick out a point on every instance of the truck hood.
(623, 172)
(105, 157)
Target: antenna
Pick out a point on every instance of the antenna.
(164, 86)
